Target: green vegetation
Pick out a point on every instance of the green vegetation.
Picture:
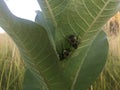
(52, 61)
(12, 67)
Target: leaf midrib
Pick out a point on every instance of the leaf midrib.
(87, 31)
(51, 13)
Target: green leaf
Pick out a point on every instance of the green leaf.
(91, 58)
(51, 9)
(36, 49)
(82, 18)
(41, 20)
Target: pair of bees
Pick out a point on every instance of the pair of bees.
(74, 42)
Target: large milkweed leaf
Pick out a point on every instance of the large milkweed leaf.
(92, 59)
(36, 49)
(82, 18)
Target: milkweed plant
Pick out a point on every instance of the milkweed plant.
(66, 47)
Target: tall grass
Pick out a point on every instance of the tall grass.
(11, 65)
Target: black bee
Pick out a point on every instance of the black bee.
(64, 54)
(74, 41)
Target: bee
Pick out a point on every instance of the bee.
(74, 41)
(64, 54)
